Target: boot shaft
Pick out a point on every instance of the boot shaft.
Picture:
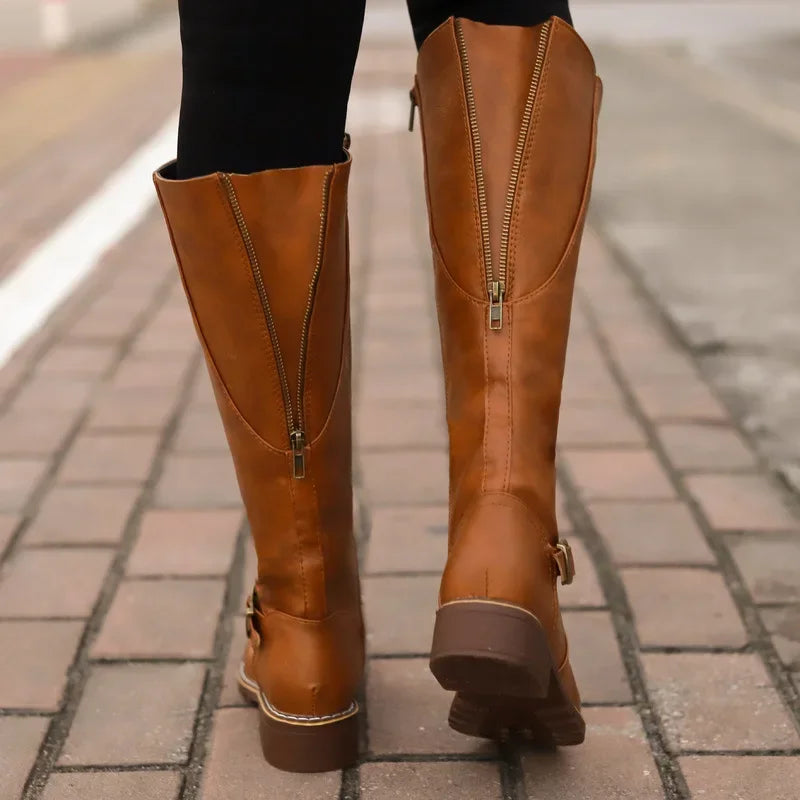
(263, 259)
(509, 126)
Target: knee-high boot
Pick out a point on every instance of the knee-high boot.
(508, 119)
(264, 262)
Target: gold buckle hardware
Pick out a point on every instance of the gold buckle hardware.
(565, 562)
(249, 615)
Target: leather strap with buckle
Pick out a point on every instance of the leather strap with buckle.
(565, 562)
(249, 617)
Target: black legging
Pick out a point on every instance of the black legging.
(266, 84)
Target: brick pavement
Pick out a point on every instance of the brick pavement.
(125, 558)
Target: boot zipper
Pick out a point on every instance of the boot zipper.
(298, 436)
(294, 415)
(495, 307)
(497, 280)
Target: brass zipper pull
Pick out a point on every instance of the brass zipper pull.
(413, 111)
(298, 439)
(497, 293)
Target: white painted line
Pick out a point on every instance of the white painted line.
(58, 264)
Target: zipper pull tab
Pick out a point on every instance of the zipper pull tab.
(298, 439)
(413, 111)
(497, 293)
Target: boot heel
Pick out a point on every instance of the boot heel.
(310, 746)
(497, 659)
(488, 648)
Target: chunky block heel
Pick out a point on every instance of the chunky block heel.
(303, 744)
(497, 659)
(309, 745)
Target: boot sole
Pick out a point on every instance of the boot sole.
(497, 659)
(308, 744)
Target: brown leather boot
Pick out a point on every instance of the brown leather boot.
(509, 120)
(264, 261)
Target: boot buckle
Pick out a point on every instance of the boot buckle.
(249, 616)
(565, 562)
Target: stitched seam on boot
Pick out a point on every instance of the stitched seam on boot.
(257, 308)
(577, 227)
(462, 96)
(529, 148)
(299, 550)
(210, 358)
(509, 401)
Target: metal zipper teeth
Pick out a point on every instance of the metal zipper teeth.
(262, 293)
(477, 155)
(519, 154)
(312, 292)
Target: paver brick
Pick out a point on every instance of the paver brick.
(103, 323)
(135, 714)
(185, 543)
(18, 479)
(670, 398)
(742, 777)
(614, 763)
(106, 457)
(783, 625)
(683, 608)
(82, 514)
(399, 424)
(31, 433)
(699, 715)
(33, 677)
(601, 425)
(200, 432)
(740, 502)
(160, 785)
(76, 359)
(53, 393)
(161, 619)
(198, 481)
(229, 694)
(651, 533)
(132, 409)
(42, 583)
(694, 446)
(236, 766)
(770, 567)
(415, 477)
(446, 781)
(595, 657)
(408, 711)
(249, 573)
(585, 591)
(8, 526)
(618, 474)
(413, 385)
(201, 394)
(407, 539)
(400, 613)
(587, 380)
(20, 738)
(151, 372)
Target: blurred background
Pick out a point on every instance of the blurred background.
(697, 184)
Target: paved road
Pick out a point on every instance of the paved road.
(123, 554)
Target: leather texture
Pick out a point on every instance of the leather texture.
(503, 387)
(306, 643)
